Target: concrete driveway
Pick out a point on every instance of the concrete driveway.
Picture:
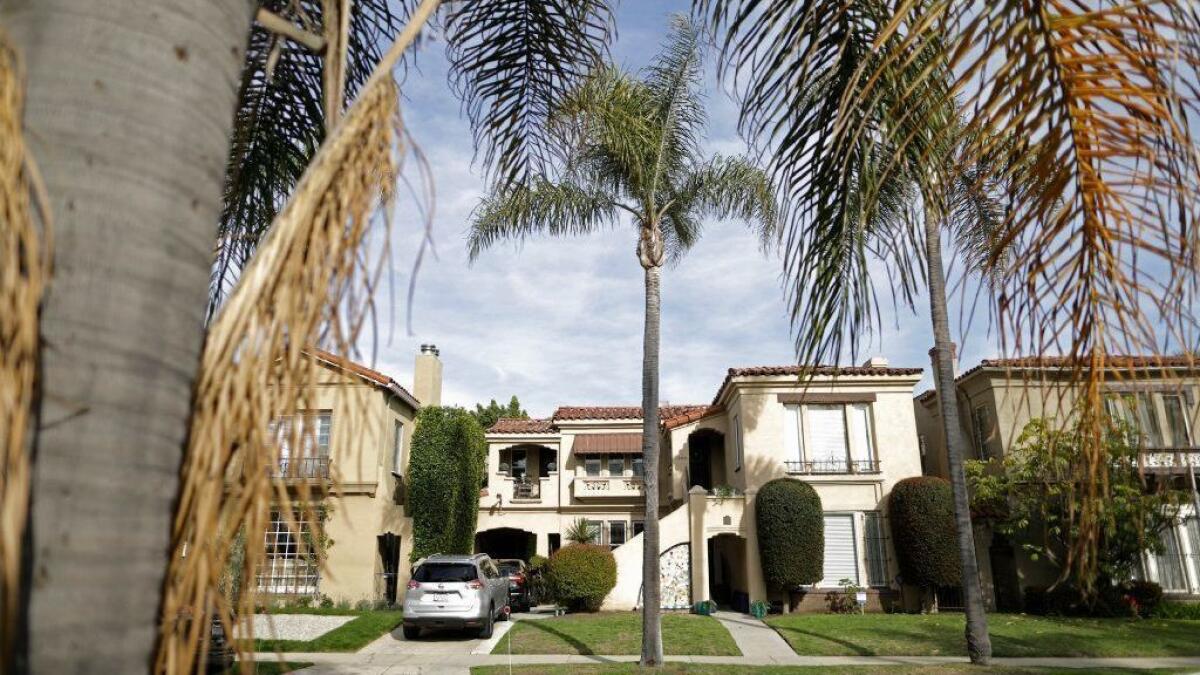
(449, 642)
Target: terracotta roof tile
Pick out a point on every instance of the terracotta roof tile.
(691, 416)
(798, 370)
(619, 412)
(512, 425)
(363, 371)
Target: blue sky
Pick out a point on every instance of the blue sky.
(559, 321)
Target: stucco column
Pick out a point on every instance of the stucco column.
(754, 576)
(697, 504)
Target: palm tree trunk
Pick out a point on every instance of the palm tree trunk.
(652, 650)
(130, 107)
(979, 645)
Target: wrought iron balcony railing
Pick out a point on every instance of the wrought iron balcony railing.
(303, 467)
(836, 466)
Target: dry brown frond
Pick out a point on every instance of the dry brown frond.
(24, 272)
(301, 288)
(1084, 110)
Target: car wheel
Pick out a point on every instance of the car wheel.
(485, 631)
(506, 613)
(412, 632)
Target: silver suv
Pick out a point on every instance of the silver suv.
(455, 591)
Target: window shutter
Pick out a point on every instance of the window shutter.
(827, 430)
(791, 433)
(860, 414)
(841, 560)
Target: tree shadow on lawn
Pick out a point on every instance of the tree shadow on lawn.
(859, 650)
(580, 646)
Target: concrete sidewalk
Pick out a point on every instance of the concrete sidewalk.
(379, 664)
(756, 639)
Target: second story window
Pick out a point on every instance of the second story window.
(397, 447)
(616, 465)
(639, 466)
(303, 443)
(981, 428)
(1178, 434)
(591, 466)
(1155, 419)
(829, 438)
(738, 454)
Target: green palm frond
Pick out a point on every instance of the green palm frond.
(510, 61)
(557, 209)
(280, 122)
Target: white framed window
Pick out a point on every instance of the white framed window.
(738, 455)
(289, 567)
(596, 529)
(398, 448)
(303, 441)
(1157, 418)
(829, 438)
(637, 466)
(841, 550)
(616, 465)
(616, 533)
(1169, 563)
(980, 430)
(591, 466)
(1178, 435)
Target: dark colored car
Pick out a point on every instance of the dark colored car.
(519, 596)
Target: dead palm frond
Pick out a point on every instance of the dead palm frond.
(24, 271)
(299, 289)
(1084, 109)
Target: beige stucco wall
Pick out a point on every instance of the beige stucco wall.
(362, 505)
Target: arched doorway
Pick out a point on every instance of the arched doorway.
(706, 458)
(506, 543)
(727, 571)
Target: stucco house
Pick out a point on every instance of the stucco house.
(849, 431)
(998, 397)
(357, 425)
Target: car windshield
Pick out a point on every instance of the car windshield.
(509, 568)
(445, 572)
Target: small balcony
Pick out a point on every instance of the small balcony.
(302, 468)
(833, 467)
(1170, 460)
(591, 487)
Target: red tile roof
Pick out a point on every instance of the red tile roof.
(367, 373)
(1113, 362)
(512, 425)
(799, 370)
(619, 412)
(692, 416)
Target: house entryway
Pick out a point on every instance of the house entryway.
(727, 572)
(706, 459)
(389, 561)
(506, 543)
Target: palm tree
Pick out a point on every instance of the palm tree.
(856, 198)
(632, 146)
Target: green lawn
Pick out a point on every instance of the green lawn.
(1012, 635)
(699, 669)
(616, 633)
(350, 637)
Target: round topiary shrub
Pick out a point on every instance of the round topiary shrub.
(791, 533)
(579, 576)
(922, 513)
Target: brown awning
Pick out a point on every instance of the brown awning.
(608, 444)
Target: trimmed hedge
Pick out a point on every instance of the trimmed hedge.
(791, 533)
(579, 576)
(445, 469)
(921, 510)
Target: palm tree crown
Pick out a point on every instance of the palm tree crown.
(632, 144)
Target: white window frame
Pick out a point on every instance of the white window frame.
(398, 447)
(624, 531)
(608, 465)
(738, 455)
(798, 439)
(857, 544)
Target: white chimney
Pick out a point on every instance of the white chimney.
(427, 376)
(876, 362)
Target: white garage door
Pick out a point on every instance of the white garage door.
(841, 561)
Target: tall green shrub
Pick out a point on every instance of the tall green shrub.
(921, 510)
(791, 533)
(579, 576)
(445, 470)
